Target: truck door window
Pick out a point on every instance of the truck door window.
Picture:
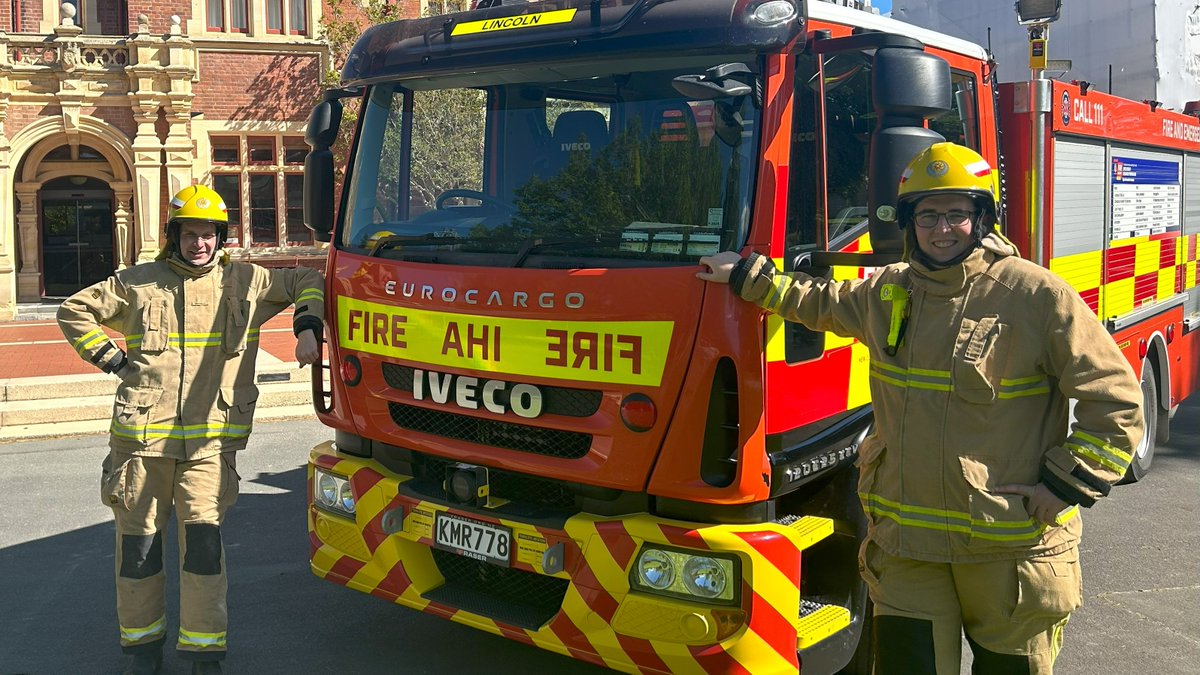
(961, 124)
(827, 184)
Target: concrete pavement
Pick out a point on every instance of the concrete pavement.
(46, 390)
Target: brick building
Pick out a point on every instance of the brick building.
(108, 107)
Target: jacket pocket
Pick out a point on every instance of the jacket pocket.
(980, 354)
(1049, 588)
(238, 405)
(117, 480)
(997, 519)
(237, 324)
(870, 455)
(228, 494)
(131, 411)
(155, 328)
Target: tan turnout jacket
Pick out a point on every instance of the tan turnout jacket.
(192, 340)
(975, 396)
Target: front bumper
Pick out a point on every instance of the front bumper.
(568, 589)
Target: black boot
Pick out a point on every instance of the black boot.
(145, 663)
(206, 668)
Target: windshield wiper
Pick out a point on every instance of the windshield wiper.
(532, 245)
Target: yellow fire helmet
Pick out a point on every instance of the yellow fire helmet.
(948, 168)
(197, 202)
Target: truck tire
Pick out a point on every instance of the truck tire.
(1143, 455)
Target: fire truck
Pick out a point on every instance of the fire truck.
(547, 428)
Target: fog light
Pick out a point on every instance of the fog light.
(351, 370)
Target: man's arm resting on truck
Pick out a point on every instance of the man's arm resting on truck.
(839, 307)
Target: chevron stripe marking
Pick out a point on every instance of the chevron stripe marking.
(516, 634)
(642, 653)
(620, 545)
(373, 533)
(715, 659)
(346, 567)
(774, 628)
(571, 637)
(775, 549)
(683, 537)
(394, 583)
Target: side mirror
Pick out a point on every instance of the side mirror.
(321, 134)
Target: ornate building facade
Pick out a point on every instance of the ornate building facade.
(109, 107)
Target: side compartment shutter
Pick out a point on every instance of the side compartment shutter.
(1079, 215)
(1191, 232)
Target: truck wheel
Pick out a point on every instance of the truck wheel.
(1143, 456)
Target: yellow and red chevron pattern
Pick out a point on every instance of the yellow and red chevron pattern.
(601, 620)
(1131, 273)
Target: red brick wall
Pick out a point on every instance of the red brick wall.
(29, 14)
(159, 12)
(120, 117)
(269, 87)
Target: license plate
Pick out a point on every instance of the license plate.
(471, 538)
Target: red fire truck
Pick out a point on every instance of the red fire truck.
(548, 429)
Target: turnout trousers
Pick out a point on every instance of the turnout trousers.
(141, 492)
(1012, 611)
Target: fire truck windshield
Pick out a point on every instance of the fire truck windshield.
(612, 167)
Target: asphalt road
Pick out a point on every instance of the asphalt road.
(1142, 577)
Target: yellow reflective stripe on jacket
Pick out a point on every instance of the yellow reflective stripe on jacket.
(940, 380)
(88, 340)
(915, 378)
(954, 521)
(151, 432)
(155, 629)
(1104, 454)
(196, 639)
(1024, 386)
(778, 284)
(311, 294)
(183, 340)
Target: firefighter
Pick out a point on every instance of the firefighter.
(973, 479)
(184, 407)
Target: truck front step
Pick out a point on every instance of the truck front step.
(818, 621)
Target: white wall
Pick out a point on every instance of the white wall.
(1152, 46)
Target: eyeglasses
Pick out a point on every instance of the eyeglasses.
(954, 218)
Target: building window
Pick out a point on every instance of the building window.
(237, 11)
(264, 229)
(261, 179)
(261, 150)
(296, 13)
(228, 185)
(225, 150)
(297, 233)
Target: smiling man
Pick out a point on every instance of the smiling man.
(973, 479)
(184, 406)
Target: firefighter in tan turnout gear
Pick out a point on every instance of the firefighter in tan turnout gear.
(973, 479)
(184, 406)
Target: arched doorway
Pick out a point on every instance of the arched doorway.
(76, 213)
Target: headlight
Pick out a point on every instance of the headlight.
(655, 569)
(677, 573)
(332, 493)
(704, 577)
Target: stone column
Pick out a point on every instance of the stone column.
(147, 178)
(122, 217)
(29, 278)
(8, 268)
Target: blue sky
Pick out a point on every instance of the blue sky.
(884, 6)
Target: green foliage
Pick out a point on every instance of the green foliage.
(634, 179)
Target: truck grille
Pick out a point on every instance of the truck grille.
(510, 596)
(518, 488)
(555, 400)
(507, 435)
